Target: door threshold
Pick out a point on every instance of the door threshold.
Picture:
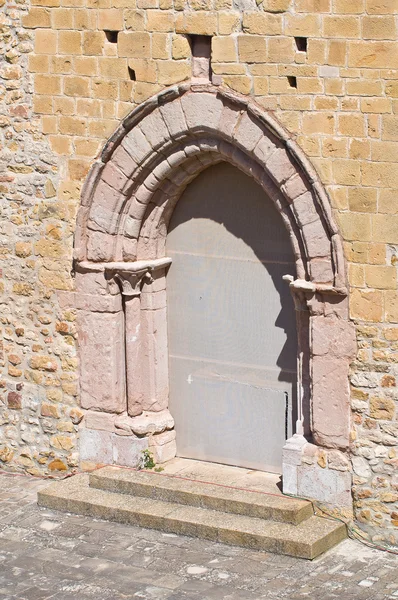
(219, 474)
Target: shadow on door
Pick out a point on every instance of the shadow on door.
(231, 322)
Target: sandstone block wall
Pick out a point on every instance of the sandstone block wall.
(70, 70)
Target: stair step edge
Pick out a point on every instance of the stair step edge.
(306, 540)
(202, 494)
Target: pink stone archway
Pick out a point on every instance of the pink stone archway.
(120, 265)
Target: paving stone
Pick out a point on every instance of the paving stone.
(35, 593)
(85, 558)
(72, 530)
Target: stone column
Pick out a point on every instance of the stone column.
(143, 286)
(100, 326)
(293, 449)
(333, 348)
(130, 286)
(124, 346)
(142, 336)
(300, 290)
(155, 378)
(320, 470)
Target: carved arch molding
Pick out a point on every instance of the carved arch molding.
(120, 265)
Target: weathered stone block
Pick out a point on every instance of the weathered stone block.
(261, 23)
(170, 72)
(366, 305)
(174, 118)
(134, 44)
(224, 49)
(202, 111)
(325, 485)
(96, 446)
(361, 467)
(252, 48)
(127, 451)
(382, 408)
(247, 133)
(198, 23)
(280, 166)
(333, 337)
(276, 6)
(154, 129)
(37, 17)
(110, 19)
(331, 409)
(100, 421)
(14, 400)
(102, 368)
(164, 452)
(316, 240)
(136, 144)
(93, 42)
(373, 54)
(43, 363)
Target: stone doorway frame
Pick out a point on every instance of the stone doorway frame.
(120, 267)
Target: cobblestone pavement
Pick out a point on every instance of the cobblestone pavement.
(46, 554)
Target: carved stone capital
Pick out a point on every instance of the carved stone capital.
(129, 283)
(304, 291)
(301, 291)
(128, 277)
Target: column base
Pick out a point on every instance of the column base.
(317, 473)
(105, 448)
(111, 439)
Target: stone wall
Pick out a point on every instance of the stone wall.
(72, 69)
(38, 384)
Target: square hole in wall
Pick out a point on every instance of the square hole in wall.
(301, 44)
(201, 56)
(111, 36)
(200, 45)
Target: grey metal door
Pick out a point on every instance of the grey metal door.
(231, 322)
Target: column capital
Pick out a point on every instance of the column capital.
(129, 282)
(127, 276)
(303, 291)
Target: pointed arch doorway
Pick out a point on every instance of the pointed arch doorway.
(231, 323)
(122, 267)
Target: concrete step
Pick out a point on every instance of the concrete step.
(201, 494)
(305, 540)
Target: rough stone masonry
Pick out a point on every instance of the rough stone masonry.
(71, 70)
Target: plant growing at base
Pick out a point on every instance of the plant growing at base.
(146, 461)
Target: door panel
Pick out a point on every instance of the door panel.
(231, 322)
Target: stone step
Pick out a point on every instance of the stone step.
(306, 540)
(202, 494)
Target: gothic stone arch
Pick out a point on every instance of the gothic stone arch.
(120, 267)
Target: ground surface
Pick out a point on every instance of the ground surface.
(45, 554)
(242, 478)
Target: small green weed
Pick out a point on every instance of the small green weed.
(147, 461)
